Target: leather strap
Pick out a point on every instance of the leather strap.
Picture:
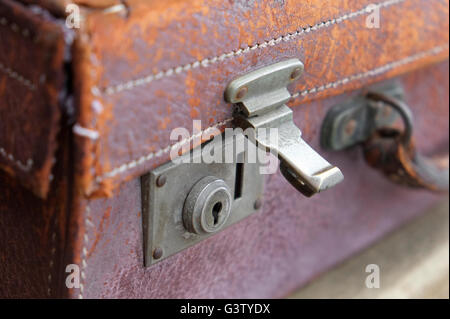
(394, 153)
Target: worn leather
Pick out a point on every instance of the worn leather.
(169, 62)
(127, 123)
(32, 79)
(273, 252)
(392, 151)
(33, 233)
(133, 114)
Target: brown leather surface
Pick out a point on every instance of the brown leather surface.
(269, 254)
(259, 257)
(148, 74)
(32, 234)
(168, 61)
(58, 7)
(31, 86)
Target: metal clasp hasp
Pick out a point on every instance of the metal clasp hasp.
(261, 96)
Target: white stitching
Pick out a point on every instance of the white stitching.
(24, 167)
(84, 252)
(114, 9)
(209, 61)
(14, 27)
(85, 132)
(330, 85)
(51, 263)
(370, 73)
(160, 152)
(16, 76)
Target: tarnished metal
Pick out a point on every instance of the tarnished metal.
(355, 120)
(263, 107)
(388, 148)
(393, 151)
(197, 199)
(208, 206)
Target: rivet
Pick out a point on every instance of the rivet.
(350, 127)
(258, 203)
(157, 253)
(241, 93)
(161, 180)
(387, 111)
(296, 73)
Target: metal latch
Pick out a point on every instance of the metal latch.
(260, 97)
(189, 200)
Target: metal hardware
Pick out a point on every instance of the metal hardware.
(394, 153)
(197, 199)
(260, 97)
(386, 147)
(207, 206)
(355, 120)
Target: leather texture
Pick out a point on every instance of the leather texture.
(136, 72)
(33, 233)
(273, 252)
(169, 62)
(32, 80)
(166, 63)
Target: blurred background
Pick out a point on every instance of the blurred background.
(413, 263)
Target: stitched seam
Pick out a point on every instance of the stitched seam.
(84, 252)
(85, 132)
(209, 61)
(26, 167)
(24, 32)
(114, 9)
(159, 153)
(371, 73)
(16, 76)
(330, 85)
(52, 260)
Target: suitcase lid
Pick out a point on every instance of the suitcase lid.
(32, 77)
(143, 69)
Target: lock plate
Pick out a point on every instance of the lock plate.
(166, 189)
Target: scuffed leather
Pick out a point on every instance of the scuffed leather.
(273, 252)
(33, 234)
(134, 124)
(58, 7)
(31, 85)
(150, 37)
(294, 239)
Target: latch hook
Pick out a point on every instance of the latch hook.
(261, 96)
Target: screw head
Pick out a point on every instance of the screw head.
(161, 180)
(241, 92)
(296, 73)
(387, 111)
(157, 253)
(258, 204)
(350, 127)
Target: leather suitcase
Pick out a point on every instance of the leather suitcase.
(87, 109)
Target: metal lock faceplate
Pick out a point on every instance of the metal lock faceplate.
(172, 192)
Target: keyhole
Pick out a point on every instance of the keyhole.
(216, 211)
